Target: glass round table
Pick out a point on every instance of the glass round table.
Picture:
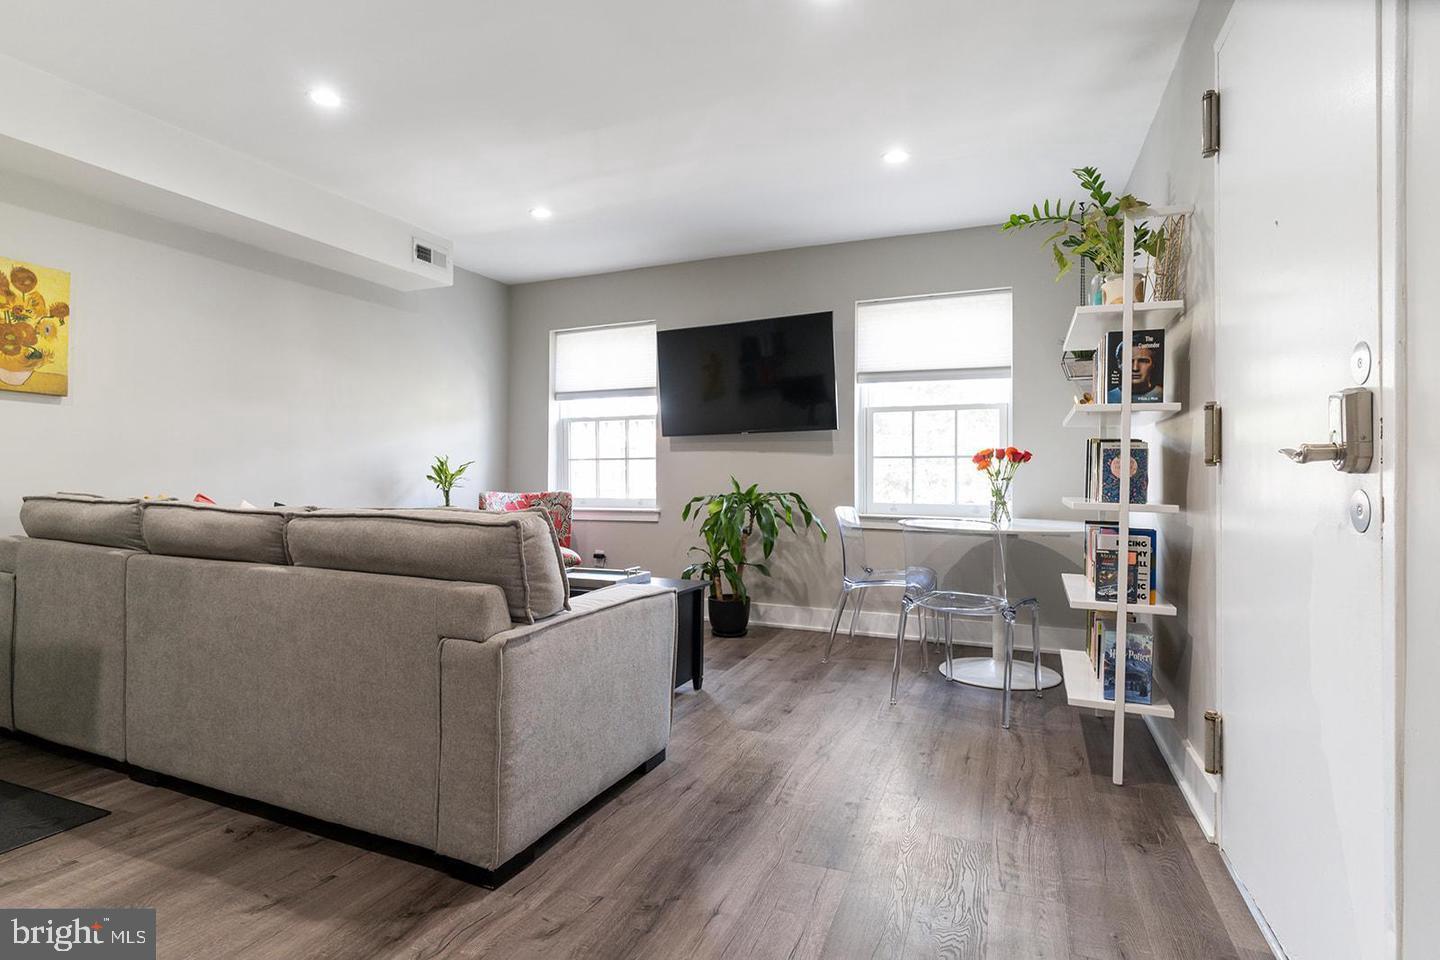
(989, 671)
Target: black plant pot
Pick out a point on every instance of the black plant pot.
(729, 618)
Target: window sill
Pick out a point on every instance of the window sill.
(618, 514)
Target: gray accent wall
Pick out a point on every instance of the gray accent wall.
(201, 364)
(1170, 170)
(821, 466)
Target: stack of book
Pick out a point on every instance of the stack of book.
(1147, 367)
(1102, 562)
(1139, 659)
(1103, 470)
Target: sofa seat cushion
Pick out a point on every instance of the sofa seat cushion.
(515, 551)
(208, 532)
(83, 519)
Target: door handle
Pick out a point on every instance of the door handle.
(1352, 444)
(1314, 452)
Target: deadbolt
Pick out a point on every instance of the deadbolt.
(1351, 447)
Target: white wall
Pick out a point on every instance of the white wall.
(200, 364)
(1170, 170)
(818, 465)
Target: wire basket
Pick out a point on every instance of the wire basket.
(1167, 271)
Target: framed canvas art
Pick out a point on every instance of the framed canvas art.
(34, 329)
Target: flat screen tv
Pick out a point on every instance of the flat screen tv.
(751, 377)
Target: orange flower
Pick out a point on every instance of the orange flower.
(15, 337)
(982, 465)
(24, 279)
(1012, 453)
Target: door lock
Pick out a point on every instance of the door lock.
(1352, 443)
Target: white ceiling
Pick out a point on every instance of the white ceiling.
(657, 130)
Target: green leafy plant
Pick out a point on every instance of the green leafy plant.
(445, 477)
(731, 520)
(1093, 230)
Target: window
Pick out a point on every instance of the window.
(932, 387)
(604, 411)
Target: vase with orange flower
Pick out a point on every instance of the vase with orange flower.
(999, 465)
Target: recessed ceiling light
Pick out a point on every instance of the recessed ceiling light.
(896, 156)
(541, 213)
(325, 97)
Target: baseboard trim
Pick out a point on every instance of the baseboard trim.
(1201, 790)
(884, 623)
(1272, 941)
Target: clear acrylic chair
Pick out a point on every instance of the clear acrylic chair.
(946, 575)
(859, 575)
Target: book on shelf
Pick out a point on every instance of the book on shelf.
(1147, 367)
(1102, 562)
(1103, 470)
(1139, 662)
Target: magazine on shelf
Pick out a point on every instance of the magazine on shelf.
(1147, 378)
(1139, 662)
(1102, 470)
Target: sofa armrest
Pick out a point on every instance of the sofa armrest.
(9, 547)
(539, 720)
(7, 644)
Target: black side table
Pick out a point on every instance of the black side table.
(689, 628)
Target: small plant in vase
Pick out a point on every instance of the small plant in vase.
(446, 477)
(1094, 230)
(999, 465)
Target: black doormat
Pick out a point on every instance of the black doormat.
(28, 815)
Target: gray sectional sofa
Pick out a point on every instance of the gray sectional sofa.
(420, 675)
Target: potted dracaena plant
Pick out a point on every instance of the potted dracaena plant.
(731, 520)
(446, 477)
(1093, 230)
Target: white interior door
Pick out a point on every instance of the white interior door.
(1307, 817)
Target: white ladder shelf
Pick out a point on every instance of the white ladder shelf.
(1083, 687)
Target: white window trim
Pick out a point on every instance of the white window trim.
(888, 513)
(562, 464)
(869, 508)
(617, 514)
(596, 509)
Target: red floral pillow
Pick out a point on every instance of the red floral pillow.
(556, 503)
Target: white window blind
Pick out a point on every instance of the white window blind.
(605, 361)
(953, 332)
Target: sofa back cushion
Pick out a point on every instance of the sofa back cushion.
(83, 519)
(515, 551)
(176, 529)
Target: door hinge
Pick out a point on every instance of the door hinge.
(1209, 123)
(1212, 434)
(1214, 742)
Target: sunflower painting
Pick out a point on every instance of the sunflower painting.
(34, 329)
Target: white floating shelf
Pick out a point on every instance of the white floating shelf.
(1081, 413)
(1082, 688)
(1097, 506)
(1081, 596)
(1089, 324)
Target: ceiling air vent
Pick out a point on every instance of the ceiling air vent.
(425, 253)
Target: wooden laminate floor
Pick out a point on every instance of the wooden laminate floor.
(798, 815)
